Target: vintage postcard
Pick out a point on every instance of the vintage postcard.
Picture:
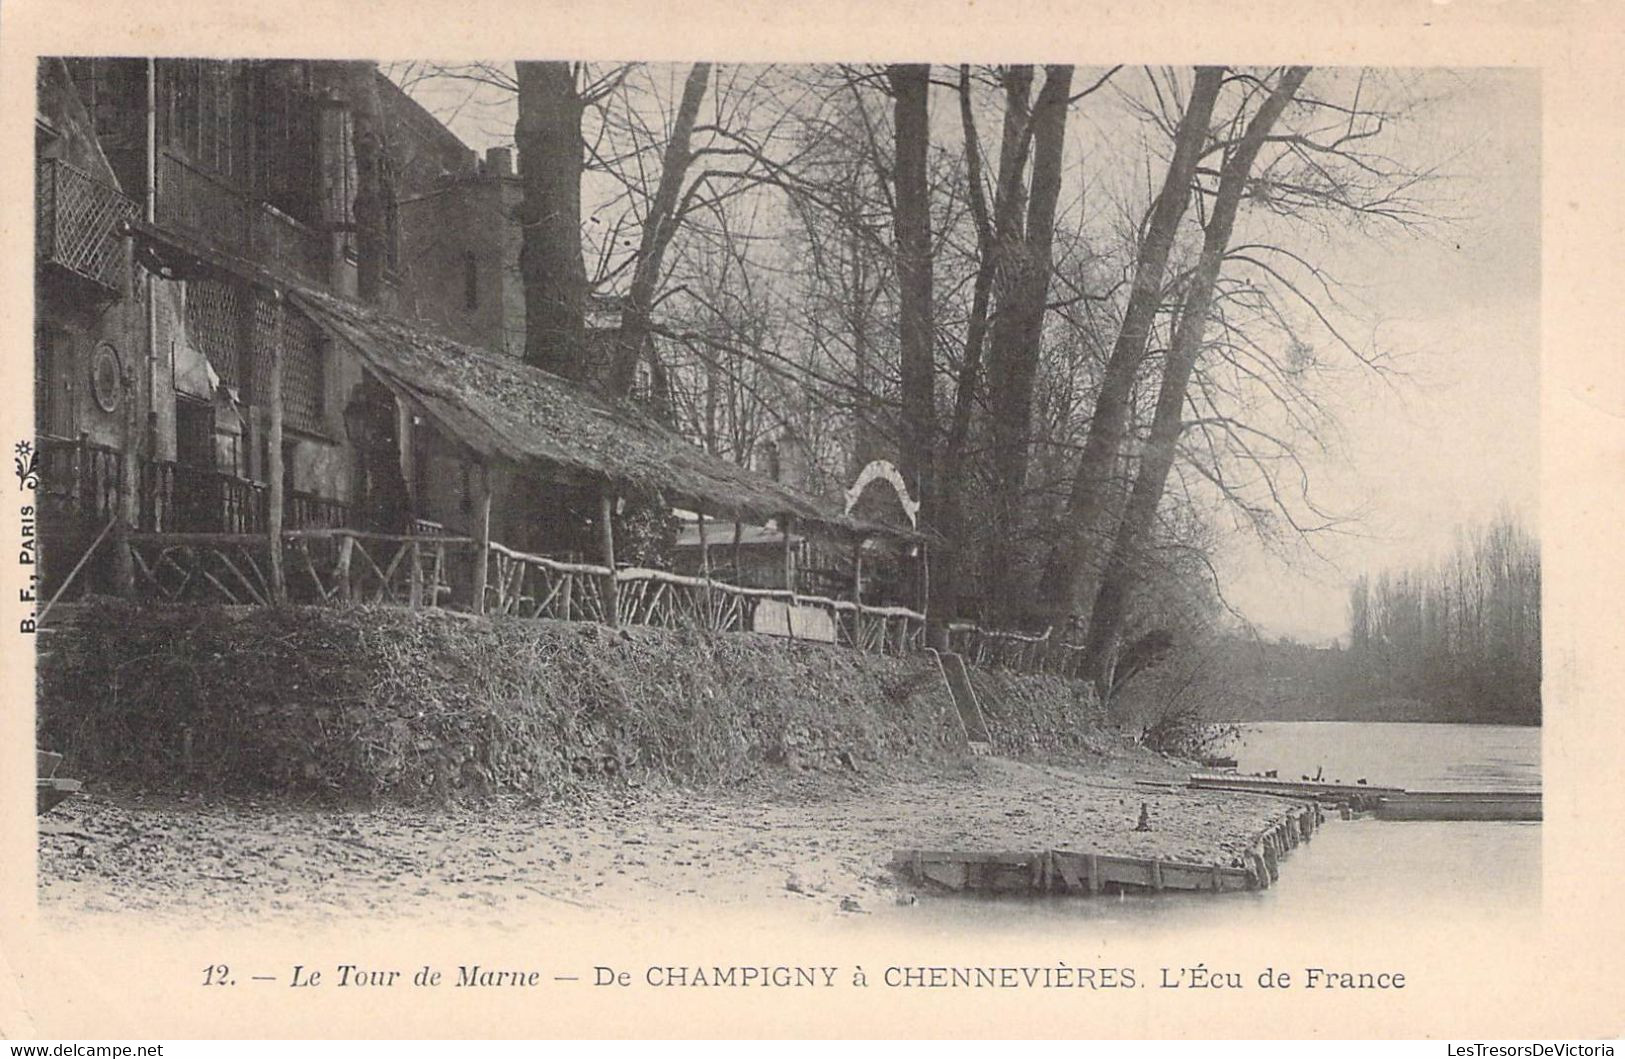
(955, 520)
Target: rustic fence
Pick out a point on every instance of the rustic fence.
(345, 566)
(340, 566)
(1044, 653)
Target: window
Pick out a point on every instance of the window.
(471, 281)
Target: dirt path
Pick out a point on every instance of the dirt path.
(811, 843)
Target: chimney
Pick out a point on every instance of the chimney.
(499, 162)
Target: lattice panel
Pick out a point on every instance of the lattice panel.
(303, 385)
(78, 218)
(213, 320)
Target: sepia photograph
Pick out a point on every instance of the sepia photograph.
(876, 503)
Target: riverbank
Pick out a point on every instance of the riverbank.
(809, 844)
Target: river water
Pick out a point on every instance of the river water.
(1446, 871)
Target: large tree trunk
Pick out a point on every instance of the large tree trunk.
(551, 154)
(1010, 200)
(1091, 493)
(371, 192)
(659, 225)
(1018, 329)
(1139, 517)
(951, 473)
(911, 223)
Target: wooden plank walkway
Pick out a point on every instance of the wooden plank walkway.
(1388, 803)
(1461, 805)
(1063, 871)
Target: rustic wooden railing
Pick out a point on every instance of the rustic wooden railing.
(205, 205)
(79, 477)
(309, 511)
(337, 566)
(536, 586)
(1013, 650)
(322, 566)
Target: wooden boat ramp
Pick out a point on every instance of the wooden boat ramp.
(1360, 797)
(1386, 803)
(1065, 871)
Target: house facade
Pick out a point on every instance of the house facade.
(216, 406)
(153, 382)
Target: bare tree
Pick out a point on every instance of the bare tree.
(1085, 509)
(1106, 617)
(659, 225)
(911, 217)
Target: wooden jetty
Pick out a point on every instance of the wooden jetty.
(1358, 796)
(1064, 871)
(1461, 805)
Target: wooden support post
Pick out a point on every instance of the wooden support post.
(346, 546)
(124, 510)
(482, 539)
(705, 570)
(739, 552)
(789, 556)
(789, 578)
(857, 592)
(606, 512)
(414, 585)
(273, 398)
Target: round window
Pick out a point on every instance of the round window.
(106, 377)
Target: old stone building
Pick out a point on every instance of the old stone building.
(226, 380)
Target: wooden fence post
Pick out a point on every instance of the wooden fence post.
(789, 578)
(129, 467)
(273, 397)
(857, 592)
(482, 537)
(705, 570)
(606, 512)
(346, 546)
(789, 556)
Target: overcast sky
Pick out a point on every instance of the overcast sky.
(1457, 439)
(1452, 441)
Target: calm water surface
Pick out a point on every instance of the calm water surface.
(1465, 873)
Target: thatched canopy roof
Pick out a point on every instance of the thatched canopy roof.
(507, 410)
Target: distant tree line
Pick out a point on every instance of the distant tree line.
(1463, 632)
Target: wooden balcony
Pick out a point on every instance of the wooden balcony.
(77, 218)
(198, 203)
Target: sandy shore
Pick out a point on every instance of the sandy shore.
(809, 843)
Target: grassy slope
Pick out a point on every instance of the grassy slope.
(384, 702)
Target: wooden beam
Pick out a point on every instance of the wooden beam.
(482, 537)
(857, 592)
(273, 397)
(789, 555)
(705, 550)
(606, 513)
